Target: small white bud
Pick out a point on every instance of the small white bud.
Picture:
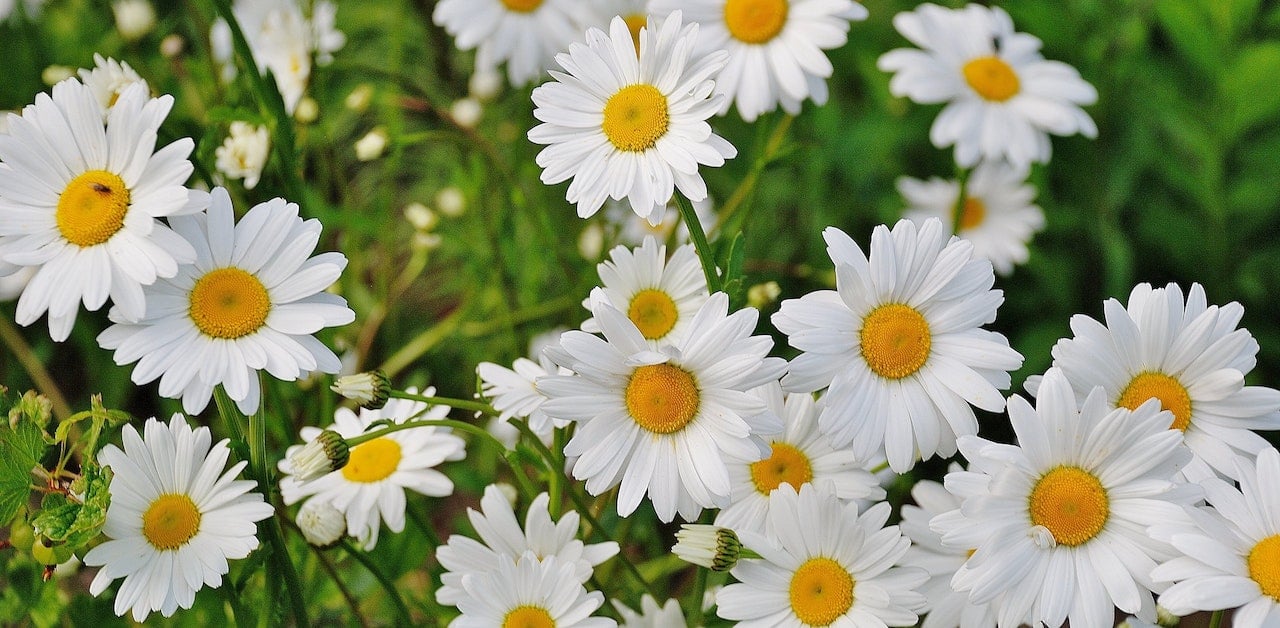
(372, 145)
(485, 84)
(466, 112)
(172, 45)
(359, 98)
(321, 523)
(134, 18)
(763, 294)
(55, 74)
(370, 389)
(713, 547)
(420, 216)
(308, 110)
(451, 201)
(328, 452)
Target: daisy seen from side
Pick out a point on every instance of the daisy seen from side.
(528, 591)
(514, 391)
(659, 296)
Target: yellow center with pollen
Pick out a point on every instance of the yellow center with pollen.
(654, 313)
(972, 214)
(1172, 394)
(170, 521)
(662, 398)
(755, 21)
(786, 464)
(528, 617)
(821, 591)
(92, 208)
(372, 461)
(895, 340)
(1264, 566)
(992, 78)
(635, 22)
(522, 6)
(229, 303)
(1071, 503)
(636, 117)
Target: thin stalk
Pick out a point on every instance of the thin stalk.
(405, 619)
(700, 243)
(465, 404)
(748, 185)
(957, 212)
(1215, 620)
(352, 602)
(408, 425)
(34, 368)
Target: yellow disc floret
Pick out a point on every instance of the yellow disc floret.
(821, 591)
(522, 6)
(786, 464)
(755, 21)
(992, 78)
(1264, 566)
(528, 617)
(372, 461)
(92, 208)
(662, 398)
(1172, 394)
(229, 303)
(170, 521)
(1071, 503)
(972, 214)
(635, 22)
(654, 313)
(636, 117)
(895, 340)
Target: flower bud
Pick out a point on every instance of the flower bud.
(321, 524)
(134, 18)
(713, 547)
(328, 452)
(370, 389)
(372, 145)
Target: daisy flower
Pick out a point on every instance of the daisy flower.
(663, 422)
(1188, 355)
(250, 301)
(175, 518)
(1230, 557)
(998, 214)
(81, 200)
(634, 12)
(514, 391)
(775, 47)
(31, 7)
(669, 615)
(825, 564)
(244, 152)
(528, 591)
(900, 337)
(503, 537)
(370, 488)
(659, 296)
(628, 127)
(631, 229)
(1003, 98)
(107, 79)
(524, 34)
(1058, 523)
(800, 455)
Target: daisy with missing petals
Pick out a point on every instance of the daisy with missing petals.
(776, 47)
(800, 455)
(998, 214)
(175, 518)
(528, 591)
(81, 201)
(1058, 523)
(250, 301)
(660, 296)
(1231, 555)
(502, 536)
(524, 34)
(825, 565)
(628, 127)
(1003, 98)
(1190, 356)
(664, 422)
(370, 488)
(900, 343)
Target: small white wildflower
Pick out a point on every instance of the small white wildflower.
(372, 145)
(321, 524)
(244, 153)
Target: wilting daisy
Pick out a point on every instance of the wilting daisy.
(1230, 557)
(663, 422)
(900, 338)
(1059, 522)
(776, 47)
(1003, 98)
(1190, 356)
(800, 455)
(370, 488)
(528, 591)
(250, 302)
(501, 536)
(175, 517)
(81, 201)
(998, 214)
(244, 153)
(651, 615)
(524, 34)
(107, 79)
(631, 128)
(824, 564)
(660, 296)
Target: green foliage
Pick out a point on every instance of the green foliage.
(22, 446)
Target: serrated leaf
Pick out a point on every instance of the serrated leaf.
(21, 448)
(76, 522)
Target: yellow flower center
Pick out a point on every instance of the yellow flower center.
(786, 464)
(170, 521)
(895, 340)
(1264, 565)
(522, 6)
(1071, 503)
(662, 398)
(821, 591)
(972, 214)
(636, 117)
(92, 207)
(653, 312)
(755, 21)
(992, 78)
(1172, 394)
(229, 303)
(528, 617)
(635, 22)
(372, 461)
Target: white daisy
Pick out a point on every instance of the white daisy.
(775, 47)
(175, 517)
(631, 128)
(998, 214)
(249, 302)
(528, 591)
(669, 615)
(501, 536)
(659, 296)
(631, 230)
(1059, 522)
(1190, 356)
(663, 422)
(634, 12)
(1230, 557)
(900, 338)
(1003, 98)
(370, 488)
(524, 34)
(244, 152)
(825, 564)
(80, 200)
(108, 79)
(514, 392)
(800, 455)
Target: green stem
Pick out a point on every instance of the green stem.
(465, 404)
(34, 368)
(700, 243)
(408, 425)
(1215, 620)
(405, 619)
(699, 585)
(352, 602)
(744, 190)
(957, 212)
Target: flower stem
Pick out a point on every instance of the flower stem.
(699, 238)
(464, 404)
(1215, 620)
(34, 368)
(405, 619)
(957, 212)
(772, 147)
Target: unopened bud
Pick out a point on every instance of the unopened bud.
(328, 452)
(370, 389)
(713, 547)
(321, 524)
(372, 145)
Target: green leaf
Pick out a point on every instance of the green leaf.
(1190, 29)
(76, 522)
(22, 446)
(1248, 88)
